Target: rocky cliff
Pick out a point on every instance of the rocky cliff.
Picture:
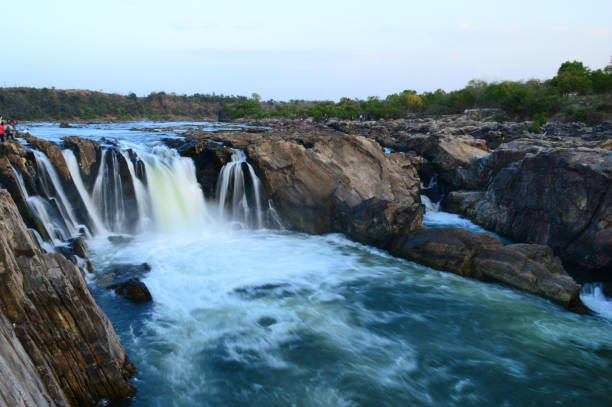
(56, 346)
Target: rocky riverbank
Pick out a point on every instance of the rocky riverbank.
(547, 186)
(325, 180)
(548, 192)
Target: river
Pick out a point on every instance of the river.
(249, 315)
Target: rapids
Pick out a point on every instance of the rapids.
(244, 315)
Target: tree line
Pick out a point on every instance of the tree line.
(574, 93)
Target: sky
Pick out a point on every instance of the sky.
(295, 50)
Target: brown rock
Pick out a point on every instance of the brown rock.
(88, 154)
(447, 249)
(531, 268)
(323, 182)
(69, 340)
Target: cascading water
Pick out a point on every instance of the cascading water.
(140, 191)
(593, 296)
(98, 226)
(239, 194)
(63, 225)
(108, 192)
(54, 191)
(176, 199)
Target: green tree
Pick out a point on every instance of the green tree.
(572, 77)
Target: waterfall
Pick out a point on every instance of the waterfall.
(54, 225)
(430, 206)
(92, 210)
(52, 187)
(239, 192)
(593, 296)
(146, 190)
(140, 192)
(176, 198)
(108, 192)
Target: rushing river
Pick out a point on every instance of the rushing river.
(267, 317)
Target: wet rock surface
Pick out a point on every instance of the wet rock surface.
(88, 154)
(546, 187)
(133, 290)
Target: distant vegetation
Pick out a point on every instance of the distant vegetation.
(53, 104)
(575, 93)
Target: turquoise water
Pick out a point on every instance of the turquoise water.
(273, 318)
(277, 318)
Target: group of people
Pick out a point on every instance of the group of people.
(8, 128)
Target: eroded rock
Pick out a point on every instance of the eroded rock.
(528, 267)
(67, 337)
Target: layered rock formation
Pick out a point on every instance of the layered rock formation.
(59, 347)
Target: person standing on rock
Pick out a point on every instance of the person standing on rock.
(503, 135)
(2, 135)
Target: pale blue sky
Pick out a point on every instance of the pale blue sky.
(285, 49)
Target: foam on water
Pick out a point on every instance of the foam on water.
(270, 317)
(434, 217)
(592, 295)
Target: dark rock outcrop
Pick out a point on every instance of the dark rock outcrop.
(447, 156)
(67, 338)
(560, 197)
(531, 268)
(14, 160)
(56, 158)
(133, 290)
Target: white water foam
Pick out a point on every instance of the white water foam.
(592, 295)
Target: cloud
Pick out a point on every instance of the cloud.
(590, 31)
(468, 27)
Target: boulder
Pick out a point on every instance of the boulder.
(531, 268)
(448, 157)
(133, 290)
(323, 182)
(447, 249)
(561, 198)
(68, 340)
